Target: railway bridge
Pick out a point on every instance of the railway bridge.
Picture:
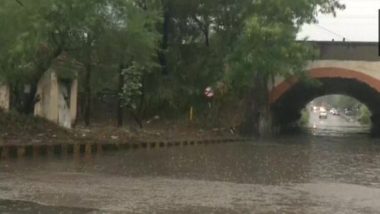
(347, 68)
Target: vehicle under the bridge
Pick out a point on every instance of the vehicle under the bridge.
(287, 108)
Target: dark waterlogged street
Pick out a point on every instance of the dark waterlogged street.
(138, 106)
(335, 125)
(324, 171)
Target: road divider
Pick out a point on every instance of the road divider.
(87, 149)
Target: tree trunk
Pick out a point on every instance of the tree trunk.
(258, 120)
(207, 37)
(120, 114)
(137, 119)
(15, 98)
(87, 98)
(265, 128)
(165, 41)
(141, 111)
(29, 99)
(250, 125)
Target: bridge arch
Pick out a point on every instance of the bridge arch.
(290, 96)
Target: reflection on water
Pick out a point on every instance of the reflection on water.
(291, 174)
(335, 126)
(21, 207)
(337, 131)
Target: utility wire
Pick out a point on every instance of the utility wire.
(330, 31)
(371, 16)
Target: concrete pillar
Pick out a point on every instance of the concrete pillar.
(53, 104)
(375, 129)
(38, 105)
(64, 113)
(4, 97)
(265, 123)
(54, 99)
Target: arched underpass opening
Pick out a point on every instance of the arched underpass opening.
(335, 115)
(291, 100)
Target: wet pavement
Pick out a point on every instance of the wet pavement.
(308, 173)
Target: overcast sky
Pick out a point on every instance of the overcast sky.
(358, 22)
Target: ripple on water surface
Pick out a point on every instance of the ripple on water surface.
(291, 174)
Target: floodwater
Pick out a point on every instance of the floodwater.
(308, 173)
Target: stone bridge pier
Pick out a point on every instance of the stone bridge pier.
(375, 129)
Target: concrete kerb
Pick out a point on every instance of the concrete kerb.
(14, 151)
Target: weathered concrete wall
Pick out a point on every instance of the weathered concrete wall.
(45, 96)
(4, 97)
(53, 98)
(64, 114)
(57, 102)
(74, 101)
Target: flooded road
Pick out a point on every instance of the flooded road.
(291, 174)
(335, 125)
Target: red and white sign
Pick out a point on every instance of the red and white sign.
(209, 92)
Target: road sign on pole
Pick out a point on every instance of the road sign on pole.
(209, 92)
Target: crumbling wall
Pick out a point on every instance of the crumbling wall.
(56, 101)
(4, 97)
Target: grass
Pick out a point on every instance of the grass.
(19, 128)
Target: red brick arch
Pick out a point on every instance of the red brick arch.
(326, 72)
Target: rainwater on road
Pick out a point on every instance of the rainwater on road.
(329, 170)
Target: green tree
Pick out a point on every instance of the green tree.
(202, 43)
(26, 54)
(133, 50)
(267, 48)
